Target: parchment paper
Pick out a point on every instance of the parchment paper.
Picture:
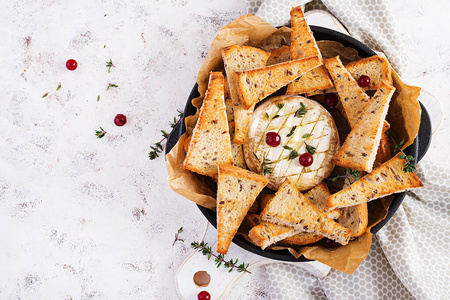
(404, 117)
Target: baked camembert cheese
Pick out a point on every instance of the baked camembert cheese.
(303, 126)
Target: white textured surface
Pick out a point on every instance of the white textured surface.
(89, 218)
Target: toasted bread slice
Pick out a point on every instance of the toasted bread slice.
(187, 141)
(304, 45)
(360, 147)
(279, 55)
(311, 82)
(389, 178)
(319, 91)
(384, 152)
(265, 198)
(237, 189)
(290, 208)
(352, 97)
(265, 234)
(237, 59)
(210, 142)
(355, 218)
(317, 197)
(268, 233)
(376, 67)
(254, 85)
(237, 150)
(228, 102)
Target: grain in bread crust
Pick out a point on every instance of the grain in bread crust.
(237, 189)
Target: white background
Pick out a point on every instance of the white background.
(89, 218)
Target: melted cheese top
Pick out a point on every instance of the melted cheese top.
(314, 128)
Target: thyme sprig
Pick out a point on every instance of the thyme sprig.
(109, 65)
(264, 168)
(293, 154)
(100, 133)
(348, 173)
(177, 239)
(310, 149)
(301, 111)
(110, 85)
(157, 147)
(292, 131)
(220, 258)
(408, 165)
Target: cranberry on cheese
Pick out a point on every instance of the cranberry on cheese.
(304, 126)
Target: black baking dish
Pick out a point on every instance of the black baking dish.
(417, 149)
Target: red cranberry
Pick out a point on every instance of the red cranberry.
(120, 120)
(330, 244)
(331, 100)
(364, 81)
(306, 159)
(273, 139)
(204, 295)
(71, 64)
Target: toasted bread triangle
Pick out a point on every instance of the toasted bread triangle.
(264, 233)
(355, 218)
(237, 59)
(360, 147)
(315, 80)
(376, 67)
(254, 85)
(279, 55)
(387, 179)
(237, 189)
(303, 44)
(290, 208)
(210, 142)
(353, 98)
(317, 197)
